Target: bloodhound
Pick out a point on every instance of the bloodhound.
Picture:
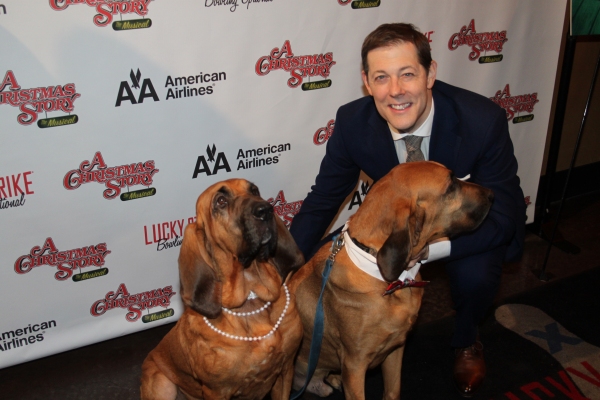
(413, 205)
(240, 329)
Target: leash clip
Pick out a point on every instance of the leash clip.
(338, 243)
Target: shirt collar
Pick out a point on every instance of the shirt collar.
(368, 263)
(424, 130)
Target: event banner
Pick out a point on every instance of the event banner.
(116, 114)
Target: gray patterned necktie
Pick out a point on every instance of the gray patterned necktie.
(413, 148)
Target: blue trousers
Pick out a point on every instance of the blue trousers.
(474, 282)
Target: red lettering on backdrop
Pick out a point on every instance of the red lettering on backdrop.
(9, 79)
(114, 178)
(105, 8)
(299, 67)
(165, 230)
(10, 185)
(31, 102)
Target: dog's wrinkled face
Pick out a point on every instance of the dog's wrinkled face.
(234, 230)
(451, 206)
(241, 219)
(415, 204)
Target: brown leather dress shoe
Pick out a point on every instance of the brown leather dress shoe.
(469, 369)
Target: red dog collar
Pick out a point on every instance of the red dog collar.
(392, 287)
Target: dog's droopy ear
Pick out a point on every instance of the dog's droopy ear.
(394, 255)
(287, 256)
(200, 286)
(416, 221)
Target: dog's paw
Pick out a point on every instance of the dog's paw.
(318, 387)
(335, 380)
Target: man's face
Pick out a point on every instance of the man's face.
(400, 86)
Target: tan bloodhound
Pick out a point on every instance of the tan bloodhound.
(413, 205)
(240, 330)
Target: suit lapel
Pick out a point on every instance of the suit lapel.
(445, 136)
(443, 146)
(383, 144)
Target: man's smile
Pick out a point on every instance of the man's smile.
(400, 106)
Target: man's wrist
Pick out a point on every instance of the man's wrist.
(437, 250)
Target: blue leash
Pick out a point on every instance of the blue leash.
(319, 322)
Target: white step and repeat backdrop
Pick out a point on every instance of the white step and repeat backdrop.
(116, 114)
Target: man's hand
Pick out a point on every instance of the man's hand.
(424, 253)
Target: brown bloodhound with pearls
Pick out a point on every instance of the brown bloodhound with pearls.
(367, 312)
(240, 329)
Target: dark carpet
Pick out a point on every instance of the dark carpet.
(556, 355)
(551, 349)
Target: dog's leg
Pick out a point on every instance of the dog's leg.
(155, 385)
(316, 385)
(283, 385)
(353, 378)
(391, 369)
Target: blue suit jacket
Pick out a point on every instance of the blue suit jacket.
(469, 136)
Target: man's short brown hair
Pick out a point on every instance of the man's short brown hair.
(393, 34)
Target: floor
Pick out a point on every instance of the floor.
(111, 369)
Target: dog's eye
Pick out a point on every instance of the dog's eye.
(221, 201)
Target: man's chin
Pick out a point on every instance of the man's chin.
(404, 127)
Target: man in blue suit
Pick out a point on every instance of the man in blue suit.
(466, 132)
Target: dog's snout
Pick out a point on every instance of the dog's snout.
(263, 211)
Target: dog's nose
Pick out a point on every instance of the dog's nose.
(263, 211)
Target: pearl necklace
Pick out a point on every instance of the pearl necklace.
(253, 338)
(251, 296)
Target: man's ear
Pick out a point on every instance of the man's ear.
(200, 286)
(365, 79)
(431, 74)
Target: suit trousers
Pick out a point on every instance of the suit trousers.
(474, 282)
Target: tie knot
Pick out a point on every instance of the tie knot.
(413, 142)
(413, 148)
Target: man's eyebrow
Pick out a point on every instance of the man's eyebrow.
(401, 69)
